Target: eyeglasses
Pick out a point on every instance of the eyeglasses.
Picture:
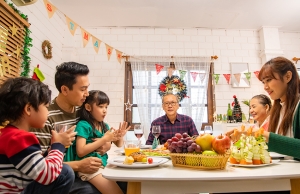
(170, 103)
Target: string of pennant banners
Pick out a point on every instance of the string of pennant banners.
(85, 35)
(182, 73)
(237, 76)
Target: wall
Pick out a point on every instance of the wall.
(228, 45)
(42, 28)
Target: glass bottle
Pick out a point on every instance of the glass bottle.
(229, 114)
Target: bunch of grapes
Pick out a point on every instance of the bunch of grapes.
(183, 144)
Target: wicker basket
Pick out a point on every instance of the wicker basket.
(200, 161)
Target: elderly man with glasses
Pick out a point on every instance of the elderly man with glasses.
(172, 122)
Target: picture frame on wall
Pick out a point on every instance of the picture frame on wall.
(238, 77)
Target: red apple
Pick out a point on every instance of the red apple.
(221, 144)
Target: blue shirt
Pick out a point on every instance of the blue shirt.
(182, 124)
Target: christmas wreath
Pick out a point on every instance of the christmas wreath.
(47, 49)
(173, 85)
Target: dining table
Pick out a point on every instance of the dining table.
(168, 179)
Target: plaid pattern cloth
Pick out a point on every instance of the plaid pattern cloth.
(182, 124)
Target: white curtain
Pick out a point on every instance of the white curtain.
(194, 106)
(146, 82)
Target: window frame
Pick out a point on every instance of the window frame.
(128, 94)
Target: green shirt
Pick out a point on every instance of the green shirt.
(286, 145)
(85, 130)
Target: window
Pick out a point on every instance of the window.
(151, 87)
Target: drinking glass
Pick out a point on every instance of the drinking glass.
(138, 131)
(131, 146)
(208, 129)
(61, 128)
(156, 131)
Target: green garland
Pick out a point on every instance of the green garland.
(27, 44)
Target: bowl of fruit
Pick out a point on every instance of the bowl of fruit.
(202, 152)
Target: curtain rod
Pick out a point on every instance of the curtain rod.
(212, 57)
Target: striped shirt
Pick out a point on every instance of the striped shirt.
(21, 160)
(55, 116)
(182, 124)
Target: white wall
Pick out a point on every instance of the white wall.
(228, 45)
(42, 28)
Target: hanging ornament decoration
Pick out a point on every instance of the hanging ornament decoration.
(158, 68)
(227, 77)
(194, 75)
(237, 77)
(216, 77)
(37, 74)
(173, 85)
(14, 29)
(128, 105)
(256, 73)
(47, 49)
(182, 73)
(248, 76)
(17, 52)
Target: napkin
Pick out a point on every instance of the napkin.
(155, 143)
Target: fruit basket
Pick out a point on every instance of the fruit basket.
(200, 161)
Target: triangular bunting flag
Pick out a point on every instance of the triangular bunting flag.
(71, 25)
(109, 50)
(227, 77)
(182, 73)
(85, 37)
(158, 68)
(216, 77)
(96, 43)
(194, 75)
(237, 77)
(50, 8)
(256, 73)
(248, 76)
(202, 76)
(119, 55)
(170, 71)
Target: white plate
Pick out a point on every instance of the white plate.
(118, 161)
(254, 165)
(145, 146)
(120, 152)
(276, 155)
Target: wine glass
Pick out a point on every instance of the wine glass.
(138, 131)
(156, 131)
(208, 129)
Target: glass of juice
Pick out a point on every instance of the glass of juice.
(131, 146)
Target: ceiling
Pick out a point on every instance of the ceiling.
(213, 14)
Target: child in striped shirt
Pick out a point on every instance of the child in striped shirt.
(23, 169)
